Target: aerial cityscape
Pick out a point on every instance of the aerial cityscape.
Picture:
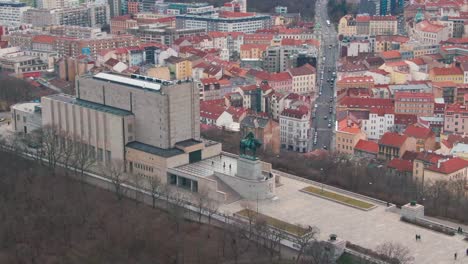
(217, 131)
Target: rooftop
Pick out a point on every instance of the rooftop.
(449, 166)
(418, 132)
(144, 84)
(392, 139)
(166, 153)
(401, 165)
(83, 103)
(367, 146)
(447, 71)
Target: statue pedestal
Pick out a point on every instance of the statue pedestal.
(249, 169)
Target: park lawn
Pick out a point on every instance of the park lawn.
(338, 197)
(276, 223)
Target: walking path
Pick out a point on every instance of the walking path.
(365, 228)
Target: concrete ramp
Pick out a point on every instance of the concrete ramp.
(231, 195)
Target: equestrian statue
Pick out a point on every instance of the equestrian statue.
(249, 144)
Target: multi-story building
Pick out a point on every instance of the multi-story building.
(383, 25)
(451, 74)
(355, 82)
(281, 58)
(393, 145)
(22, 64)
(303, 79)
(120, 24)
(347, 136)
(424, 137)
(380, 121)
(366, 149)
(87, 15)
(347, 26)
(420, 104)
(446, 170)
(430, 33)
(26, 117)
(11, 13)
(180, 68)
(455, 118)
(252, 51)
(162, 33)
(66, 46)
(52, 4)
(295, 129)
(75, 31)
(376, 25)
(225, 22)
(125, 110)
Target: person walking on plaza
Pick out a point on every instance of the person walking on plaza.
(455, 256)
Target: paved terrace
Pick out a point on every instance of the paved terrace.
(365, 228)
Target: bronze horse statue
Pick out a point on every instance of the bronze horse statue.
(249, 143)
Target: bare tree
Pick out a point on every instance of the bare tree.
(51, 144)
(250, 213)
(304, 241)
(202, 199)
(156, 189)
(211, 208)
(67, 151)
(395, 251)
(114, 170)
(84, 157)
(138, 184)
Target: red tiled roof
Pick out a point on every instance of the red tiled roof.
(396, 64)
(363, 18)
(405, 119)
(456, 108)
(207, 81)
(262, 47)
(401, 165)
(229, 14)
(418, 132)
(306, 69)
(295, 113)
(382, 111)
(236, 112)
(449, 166)
(383, 18)
(356, 102)
(405, 95)
(279, 77)
(256, 36)
(391, 54)
(418, 61)
(367, 146)
(446, 71)
(429, 157)
(211, 110)
(47, 39)
(379, 71)
(356, 79)
(392, 139)
(456, 41)
(429, 27)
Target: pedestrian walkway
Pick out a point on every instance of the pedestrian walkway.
(365, 228)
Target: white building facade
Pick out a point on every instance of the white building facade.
(295, 129)
(378, 124)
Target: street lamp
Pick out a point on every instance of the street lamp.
(323, 178)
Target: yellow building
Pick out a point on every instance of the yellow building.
(180, 68)
(347, 137)
(446, 169)
(452, 74)
(347, 26)
(399, 71)
(253, 51)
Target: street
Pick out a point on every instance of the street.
(324, 122)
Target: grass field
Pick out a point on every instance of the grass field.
(276, 223)
(338, 197)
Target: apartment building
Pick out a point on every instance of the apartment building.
(347, 136)
(26, 117)
(451, 74)
(303, 79)
(456, 119)
(11, 13)
(393, 145)
(376, 25)
(225, 22)
(295, 131)
(52, 4)
(418, 103)
(162, 33)
(380, 121)
(347, 26)
(86, 15)
(430, 33)
(75, 31)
